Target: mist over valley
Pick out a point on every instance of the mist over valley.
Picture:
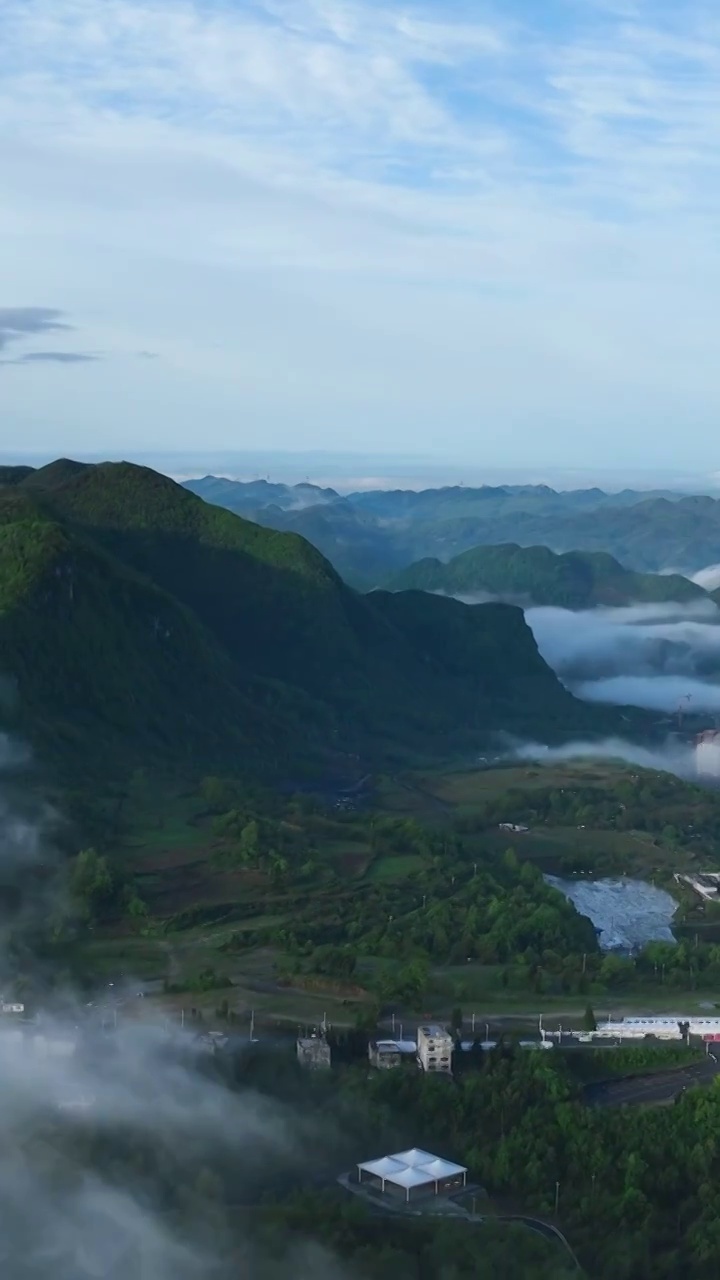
(662, 657)
(248, 821)
(359, 784)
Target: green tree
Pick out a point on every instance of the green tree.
(589, 1022)
(214, 791)
(250, 843)
(91, 882)
(456, 1019)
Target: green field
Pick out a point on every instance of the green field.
(466, 789)
(208, 913)
(400, 867)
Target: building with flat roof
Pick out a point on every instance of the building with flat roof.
(314, 1052)
(434, 1049)
(385, 1054)
(413, 1171)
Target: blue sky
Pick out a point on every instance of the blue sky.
(481, 232)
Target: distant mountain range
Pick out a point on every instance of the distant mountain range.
(370, 536)
(537, 576)
(142, 626)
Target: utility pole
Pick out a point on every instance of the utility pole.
(473, 1024)
(252, 1025)
(557, 1197)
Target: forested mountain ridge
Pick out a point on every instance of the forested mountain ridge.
(140, 624)
(372, 534)
(536, 575)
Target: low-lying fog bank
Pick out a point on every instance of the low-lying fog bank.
(672, 756)
(117, 1145)
(651, 656)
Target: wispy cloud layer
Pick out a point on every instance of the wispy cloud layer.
(54, 357)
(17, 324)
(498, 219)
(22, 322)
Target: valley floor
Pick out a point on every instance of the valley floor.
(215, 928)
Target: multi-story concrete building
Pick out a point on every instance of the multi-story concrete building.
(434, 1049)
(314, 1052)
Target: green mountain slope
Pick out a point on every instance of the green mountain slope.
(110, 671)
(142, 625)
(372, 534)
(574, 580)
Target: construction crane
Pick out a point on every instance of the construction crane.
(682, 707)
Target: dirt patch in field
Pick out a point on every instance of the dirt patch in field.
(325, 986)
(353, 864)
(175, 887)
(175, 856)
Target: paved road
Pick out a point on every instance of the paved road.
(658, 1087)
(542, 1228)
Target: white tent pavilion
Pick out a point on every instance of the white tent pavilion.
(444, 1169)
(414, 1157)
(383, 1168)
(411, 1169)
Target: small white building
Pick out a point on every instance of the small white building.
(413, 1171)
(706, 883)
(434, 1049)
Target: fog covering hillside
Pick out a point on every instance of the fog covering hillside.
(129, 1152)
(139, 624)
(371, 534)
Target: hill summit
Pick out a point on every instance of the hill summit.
(140, 625)
(536, 575)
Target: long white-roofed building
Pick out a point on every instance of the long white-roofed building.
(411, 1171)
(663, 1028)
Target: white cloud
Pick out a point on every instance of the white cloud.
(656, 693)
(662, 657)
(390, 216)
(709, 577)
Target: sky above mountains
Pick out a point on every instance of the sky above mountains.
(482, 232)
